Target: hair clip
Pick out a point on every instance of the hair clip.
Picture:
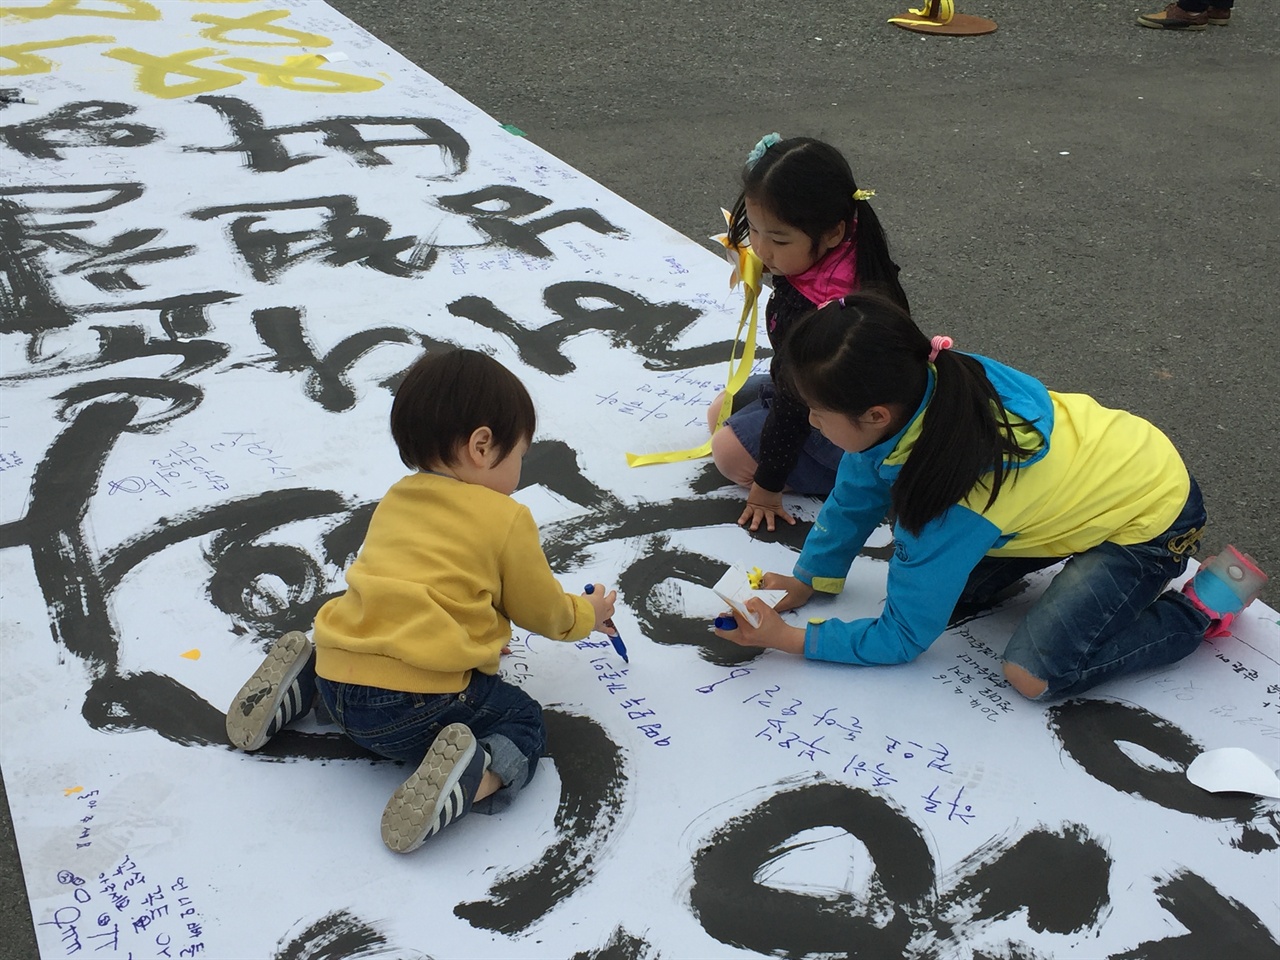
(763, 144)
(863, 194)
(937, 345)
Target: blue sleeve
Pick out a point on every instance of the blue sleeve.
(926, 577)
(854, 508)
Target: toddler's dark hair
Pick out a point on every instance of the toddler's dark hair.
(446, 396)
(809, 184)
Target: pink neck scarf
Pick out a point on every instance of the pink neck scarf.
(834, 275)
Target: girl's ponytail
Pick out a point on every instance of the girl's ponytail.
(864, 351)
(877, 273)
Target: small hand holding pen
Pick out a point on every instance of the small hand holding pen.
(773, 631)
(604, 610)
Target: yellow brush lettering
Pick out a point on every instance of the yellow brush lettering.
(26, 61)
(263, 22)
(303, 73)
(154, 70)
(120, 10)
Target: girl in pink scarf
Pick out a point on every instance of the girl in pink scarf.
(804, 216)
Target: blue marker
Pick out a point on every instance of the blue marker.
(615, 638)
(726, 623)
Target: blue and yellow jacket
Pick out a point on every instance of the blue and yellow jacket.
(1097, 475)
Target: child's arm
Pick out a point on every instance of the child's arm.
(532, 596)
(926, 577)
(781, 439)
(857, 504)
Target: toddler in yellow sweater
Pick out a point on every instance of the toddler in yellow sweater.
(406, 660)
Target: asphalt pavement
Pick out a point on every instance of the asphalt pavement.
(1081, 198)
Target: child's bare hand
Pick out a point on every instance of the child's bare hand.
(602, 603)
(798, 592)
(763, 505)
(773, 632)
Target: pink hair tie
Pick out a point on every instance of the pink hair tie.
(937, 345)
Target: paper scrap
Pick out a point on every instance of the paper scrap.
(1234, 770)
(734, 588)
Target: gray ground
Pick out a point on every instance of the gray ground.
(1084, 199)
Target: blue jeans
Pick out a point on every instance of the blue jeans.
(506, 721)
(1107, 612)
(815, 472)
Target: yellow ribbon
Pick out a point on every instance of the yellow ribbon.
(748, 269)
(946, 9)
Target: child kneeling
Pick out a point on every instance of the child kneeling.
(406, 660)
(991, 476)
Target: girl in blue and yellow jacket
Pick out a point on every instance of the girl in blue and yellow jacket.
(990, 475)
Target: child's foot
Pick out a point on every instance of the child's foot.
(1173, 17)
(1219, 16)
(1223, 586)
(279, 691)
(439, 792)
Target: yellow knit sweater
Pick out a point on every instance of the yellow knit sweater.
(445, 569)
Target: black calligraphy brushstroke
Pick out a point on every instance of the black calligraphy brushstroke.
(629, 320)
(27, 301)
(343, 236)
(328, 380)
(122, 343)
(1012, 951)
(77, 584)
(554, 465)
(621, 945)
(118, 194)
(1218, 926)
(341, 935)
(593, 782)
(639, 582)
(149, 701)
(735, 908)
(563, 540)
(997, 882)
(85, 123)
(1092, 732)
(493, 210)
(264, 151)
(177, 397)
(53, 529)
(28, 304)
(103, 263)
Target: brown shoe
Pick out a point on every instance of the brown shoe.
(1173, 17)
(1219, 16)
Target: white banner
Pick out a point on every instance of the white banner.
(226, 228)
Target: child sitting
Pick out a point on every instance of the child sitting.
(817, 234)
(406, 660)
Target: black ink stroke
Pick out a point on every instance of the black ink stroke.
(1092, 732)
(593, 788)
(85, 123)
(264, 151)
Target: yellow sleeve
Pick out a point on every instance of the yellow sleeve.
(531, 595)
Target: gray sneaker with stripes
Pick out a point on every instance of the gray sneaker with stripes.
(282, 689)
(439, 792)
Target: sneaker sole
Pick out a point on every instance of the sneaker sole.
(255, 706)
(1170, 25)
(412, 811)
